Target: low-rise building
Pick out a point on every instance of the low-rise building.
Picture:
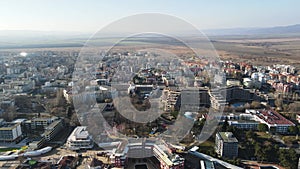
(10, 132)
(80, 139)
(37, 143)
(275, 122)
(40, 122)
(53, 129)
(244, 124)
(167, 159)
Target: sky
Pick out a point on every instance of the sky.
(91, 15)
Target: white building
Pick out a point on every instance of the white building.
(80, 139)
(10, 132)
(167, 159)
(275, 122)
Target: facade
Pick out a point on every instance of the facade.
(275, 122)
(226, 145)
(67, 93)
(167, 159)
(191, 99)
(37, 143)
(243, 124)
(53, 129)
(217, 101)
(10, 132)
(170, 98)
(40, 123)
(79, 139)
(298, 118)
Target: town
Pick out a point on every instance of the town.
(58, 111)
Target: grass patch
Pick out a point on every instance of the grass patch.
(207, 147)
(8, 149)
(263, 135)
(290, 139)
(207, 144)
(32, 162)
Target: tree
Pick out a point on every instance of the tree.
(288, 158)
(74, 120)
(262, 127)
(225, 125)
(255, 105)
(60, 100)
(294, 107)
(260, 152)
(274, 151)
(250, 135)
(279, 103)
(293, 130)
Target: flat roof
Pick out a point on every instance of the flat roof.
(53, 124)
(79, 132)
(228, 137)
(9, 126)
(18, 120)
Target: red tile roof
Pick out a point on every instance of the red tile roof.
(272, 117)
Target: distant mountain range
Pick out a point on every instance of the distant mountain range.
(278, 30)
(31, 38)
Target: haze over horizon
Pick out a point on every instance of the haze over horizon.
(90, 16)
(34, 22)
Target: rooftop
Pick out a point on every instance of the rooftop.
(227, 137)
(9, 126)
(53, 124)
(272, 117)
(79, 133)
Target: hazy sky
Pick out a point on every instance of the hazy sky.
(90, 15)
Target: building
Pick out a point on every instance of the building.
(298, 118)
(37, 143)
(233, 82)
(10, 132)
(275, 122)
(217, 100)
(40, 122)
(191, 99)
(79, 139)
(170, 98)
(240, 120)
(226, 145)
(244, 124)
(195, 159)
(161, 152)
(222, 96)
(167, 159)
(53, 129)
(67, 93)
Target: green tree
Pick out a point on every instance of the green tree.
(260, 152)
(293, 130)
(225, 125)
(262, 127)
(288, 158)
(274, 151)
(60, 100)
(294, 107)
(255, 105)
(279, 103)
